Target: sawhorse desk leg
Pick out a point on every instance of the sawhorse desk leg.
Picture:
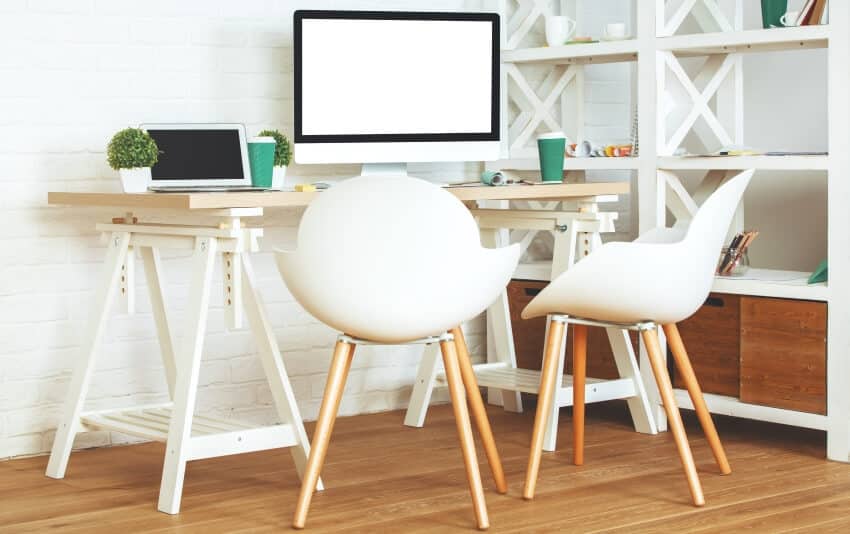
(188, 437)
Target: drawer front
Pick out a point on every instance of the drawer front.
(529, 336)
(711, 338)
(783, 353)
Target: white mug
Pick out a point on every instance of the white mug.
(614, 31)
(789, 18)
(559, 30)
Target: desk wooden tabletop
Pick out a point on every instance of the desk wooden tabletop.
(281, 199)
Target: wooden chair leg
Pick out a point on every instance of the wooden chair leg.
(545, 398)
(464, 430)
(340, 365)
(579, 375)
(680, 355)
(674, 418)
(479, 413)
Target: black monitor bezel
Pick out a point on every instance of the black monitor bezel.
(492, 135)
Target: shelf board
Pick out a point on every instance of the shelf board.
(788, 163)
(602, 52)
(570, 164)
(756, 282)
(774, 39)
(723, 405)
(528, 381)
(772, 283)
(540, 271)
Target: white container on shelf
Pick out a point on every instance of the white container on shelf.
(278, 176)
(135, 180)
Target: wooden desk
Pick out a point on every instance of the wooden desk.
(283, 199)
(224, 233)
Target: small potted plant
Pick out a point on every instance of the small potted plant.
(132, 152)
(282, 156)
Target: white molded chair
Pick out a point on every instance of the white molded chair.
(660, 279)
(390, 260)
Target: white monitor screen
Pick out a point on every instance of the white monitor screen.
(387, 76)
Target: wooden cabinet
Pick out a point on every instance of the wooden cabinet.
(529, 336)
(783, 353)
(712, 339)
(764, 351)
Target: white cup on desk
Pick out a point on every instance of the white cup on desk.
(615, 31)
(559, 30)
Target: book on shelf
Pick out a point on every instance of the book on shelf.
(812, 13)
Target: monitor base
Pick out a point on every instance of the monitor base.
(384, 169)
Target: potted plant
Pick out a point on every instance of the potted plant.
(132, 152)
(282, 156)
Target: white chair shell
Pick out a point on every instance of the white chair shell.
(393, 259)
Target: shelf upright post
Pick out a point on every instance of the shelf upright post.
(838, 236)
(651, 209)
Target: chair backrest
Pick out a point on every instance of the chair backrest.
(393, 258)
(706, 233)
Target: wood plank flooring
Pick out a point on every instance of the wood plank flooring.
(383, 477)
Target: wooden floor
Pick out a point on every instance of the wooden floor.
(384, 477)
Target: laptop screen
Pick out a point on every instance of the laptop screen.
(197, 155)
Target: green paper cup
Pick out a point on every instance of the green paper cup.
(550, 148)
(772, 11)
(261, 157)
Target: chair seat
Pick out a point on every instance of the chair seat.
(622, 283)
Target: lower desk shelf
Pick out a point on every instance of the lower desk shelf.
(500, 376)
(210, 437)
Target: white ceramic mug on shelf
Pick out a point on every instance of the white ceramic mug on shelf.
(789, 19)
(559, 30)
(614, 32)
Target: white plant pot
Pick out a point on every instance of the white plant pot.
(135, 180)
(278, 175)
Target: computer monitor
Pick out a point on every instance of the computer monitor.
(376, 87)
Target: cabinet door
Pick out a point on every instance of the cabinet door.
(783, 353)
(529, 336)
(712, 340)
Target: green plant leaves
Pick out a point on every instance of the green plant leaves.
(131, 148)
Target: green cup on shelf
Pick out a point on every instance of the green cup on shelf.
(550, 148)
(772, 11)
(261, 158)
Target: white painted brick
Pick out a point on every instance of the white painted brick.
(60, 6)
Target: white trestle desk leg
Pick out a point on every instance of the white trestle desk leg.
(153, 275)
(563, 256)
(284, 398)
(420, 397)
(640, 406)
(499, 323)
(77, 389)
(188, 369)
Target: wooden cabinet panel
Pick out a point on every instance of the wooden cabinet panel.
(529, 336)
(783, 353)
(712, 339)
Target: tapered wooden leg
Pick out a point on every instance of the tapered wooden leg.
(479, 413)
(467, 445)
(579, 375)
(545, 398)
(674, 418)
(680, 355)
(343, 354)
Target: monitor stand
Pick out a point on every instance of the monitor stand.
(384, 169)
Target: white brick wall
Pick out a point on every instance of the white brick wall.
(72, 72)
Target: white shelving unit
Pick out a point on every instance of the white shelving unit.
(714, 94)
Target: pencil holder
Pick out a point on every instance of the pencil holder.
(740, 263)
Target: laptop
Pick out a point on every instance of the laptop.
(200, 157)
